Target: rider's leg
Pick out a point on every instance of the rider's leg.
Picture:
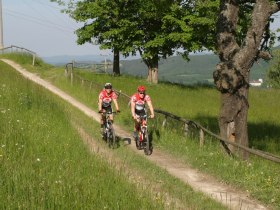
(136, 127)
(101, 124)
(111, 118)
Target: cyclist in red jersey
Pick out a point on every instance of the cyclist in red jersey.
(138, 101)
(106, 96)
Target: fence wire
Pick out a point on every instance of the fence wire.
(186, 124)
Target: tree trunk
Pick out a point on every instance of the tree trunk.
(231, 76)
(116, 62)
(233, 119)
(152, 65)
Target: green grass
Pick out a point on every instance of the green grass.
(258, 177)
(45, 165)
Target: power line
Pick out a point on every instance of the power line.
(50, 9)
(59, 17)
(37, 20)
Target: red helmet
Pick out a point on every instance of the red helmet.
(141, 89)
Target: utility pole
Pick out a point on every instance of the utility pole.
(1, 27)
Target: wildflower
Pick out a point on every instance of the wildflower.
(17, 120)
(38, 160)
(3, 145)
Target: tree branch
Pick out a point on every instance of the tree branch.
(264, 55)
(275, 7)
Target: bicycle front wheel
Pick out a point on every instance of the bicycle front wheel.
(111, 138)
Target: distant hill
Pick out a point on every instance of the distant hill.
(173, 69)
(198, 70)
(63, 59)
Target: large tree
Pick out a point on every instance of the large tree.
(147, 27)
(242, 35)
(104, 23)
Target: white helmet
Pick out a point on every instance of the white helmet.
(108, 85)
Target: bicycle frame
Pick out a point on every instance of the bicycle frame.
(143, 127)
(108, 129)
(143, 141)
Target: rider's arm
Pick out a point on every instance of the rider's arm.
(151, 108)
(132, 106)
(99, 104)
(116, 104)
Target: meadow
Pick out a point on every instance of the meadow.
(257, 176)
(44, 163)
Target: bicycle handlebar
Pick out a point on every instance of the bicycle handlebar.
(104, 112)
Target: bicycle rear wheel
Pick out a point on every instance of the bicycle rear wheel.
(148, 147)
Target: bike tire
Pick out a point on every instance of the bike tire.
(104, 133)
(148, 148)
(112, 138)
(137, 142)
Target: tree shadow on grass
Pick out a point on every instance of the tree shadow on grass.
(263, 136)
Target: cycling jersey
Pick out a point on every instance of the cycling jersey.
(140, 102)
(107, 98)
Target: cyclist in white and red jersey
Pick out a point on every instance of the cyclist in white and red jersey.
(105, 98)
(138, 102)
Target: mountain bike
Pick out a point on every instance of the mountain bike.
(108, 130)
(142, 139)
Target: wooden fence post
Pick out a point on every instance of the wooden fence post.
(33, 61)
(164, 121)
(72, 74)
(186, 129)
(66, 70)
(201, 137)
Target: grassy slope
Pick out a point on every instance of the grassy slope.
(41, 157)
(44, 164)
(259, 177)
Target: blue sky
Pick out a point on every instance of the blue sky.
(38, 25)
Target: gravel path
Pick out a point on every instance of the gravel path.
(230, 197)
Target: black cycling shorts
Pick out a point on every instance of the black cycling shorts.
(108, 109)
(140, 113)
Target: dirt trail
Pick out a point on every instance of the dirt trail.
(230, 197)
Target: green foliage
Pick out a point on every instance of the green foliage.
(155, 29)
(273, 73)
